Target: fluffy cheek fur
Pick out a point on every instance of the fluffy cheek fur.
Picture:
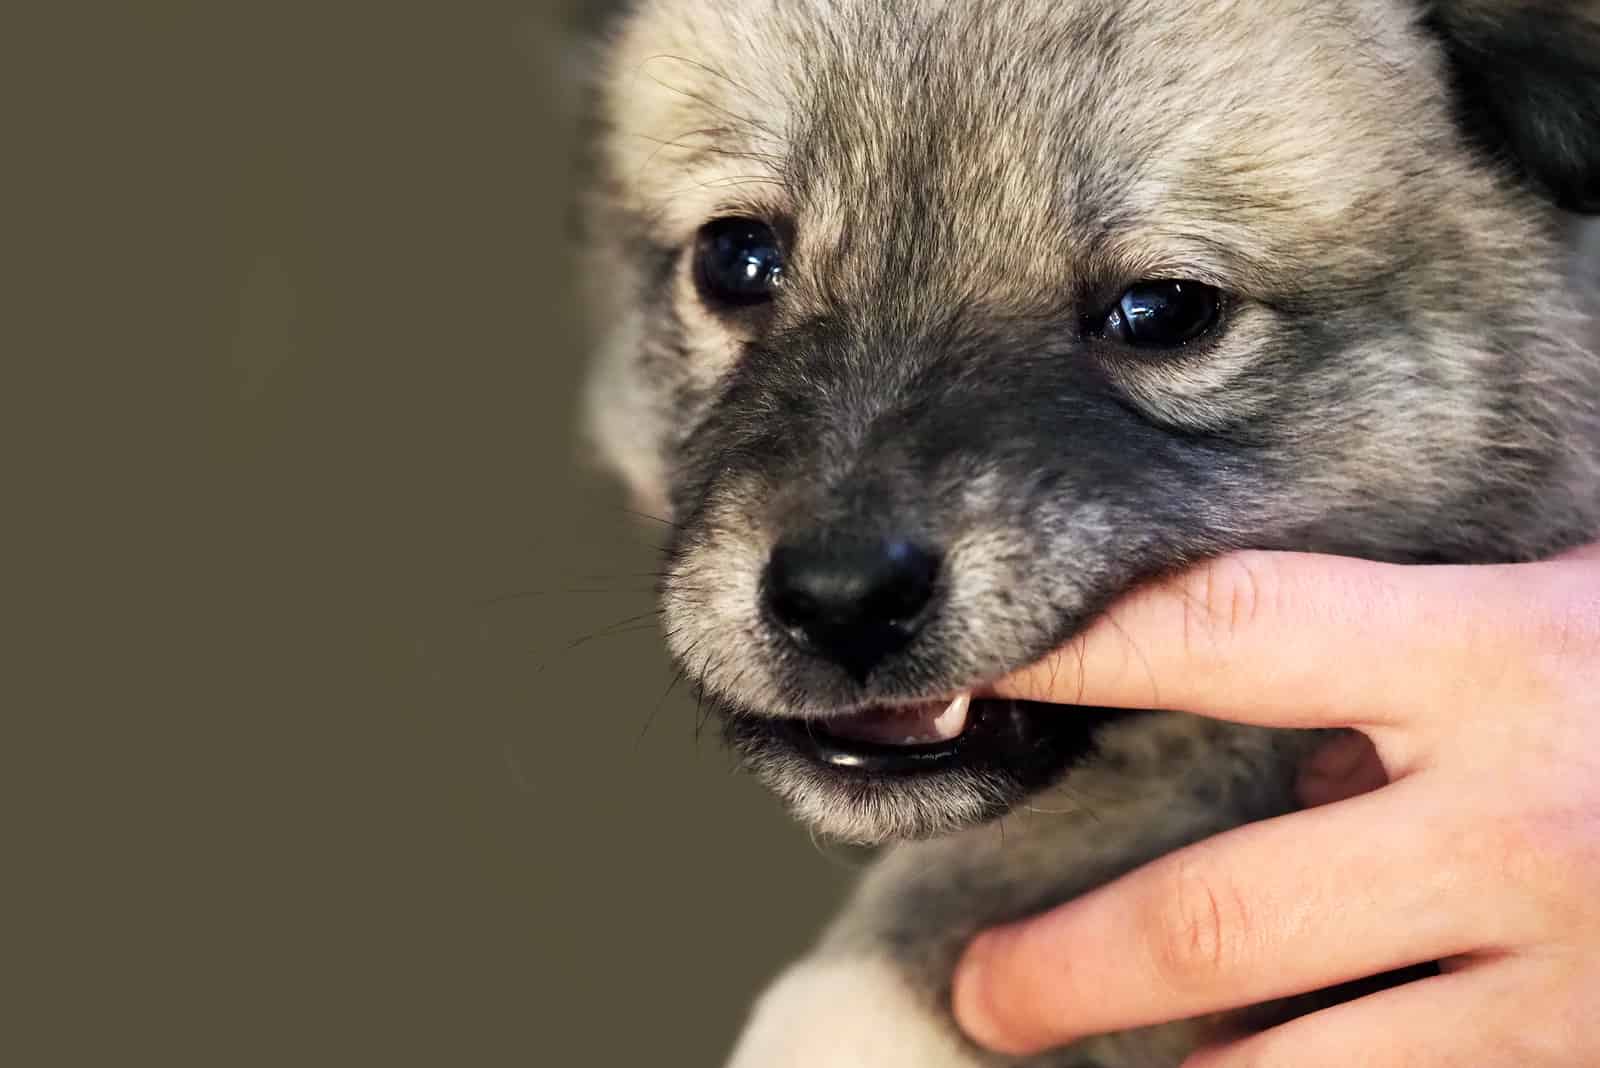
(658, 357)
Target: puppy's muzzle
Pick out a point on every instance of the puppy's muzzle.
(853, 606)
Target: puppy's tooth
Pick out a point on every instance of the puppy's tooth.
(953, 720)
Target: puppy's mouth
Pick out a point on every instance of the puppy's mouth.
(915, 769)
(922, 737)
(928, 724)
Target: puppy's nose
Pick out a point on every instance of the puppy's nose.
(854, 602)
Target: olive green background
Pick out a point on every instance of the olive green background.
(338, 725)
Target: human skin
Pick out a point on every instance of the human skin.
(1461, 825)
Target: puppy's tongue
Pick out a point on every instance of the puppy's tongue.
(925, 724)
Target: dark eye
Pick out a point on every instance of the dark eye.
(737, 262)
(1163, 315)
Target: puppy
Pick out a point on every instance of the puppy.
(935, 326)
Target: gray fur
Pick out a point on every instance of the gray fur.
(1406, 371)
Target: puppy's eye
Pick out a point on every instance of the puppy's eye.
(738, 262)
(1162, 314)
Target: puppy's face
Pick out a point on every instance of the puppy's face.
(935, 326)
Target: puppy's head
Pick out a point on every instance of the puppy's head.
(934, 326)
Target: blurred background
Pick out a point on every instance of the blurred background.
(339, 731)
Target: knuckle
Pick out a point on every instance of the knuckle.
(1225, 597)
(1541, 858)
(1195, 928)
(1551, 855)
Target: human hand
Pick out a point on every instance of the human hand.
(1479, 689)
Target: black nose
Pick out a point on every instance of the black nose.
(855, 602)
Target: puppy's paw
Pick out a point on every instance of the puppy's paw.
(849, 1012)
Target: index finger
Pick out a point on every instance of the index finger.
(1301, 640)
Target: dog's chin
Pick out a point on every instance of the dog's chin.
(884, 774)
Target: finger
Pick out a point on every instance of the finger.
(1490, 1013)
(1299, 640)
(1344, 768)
(1338, 893)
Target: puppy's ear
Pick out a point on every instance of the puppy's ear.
(1526, 78)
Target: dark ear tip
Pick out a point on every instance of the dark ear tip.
(1527, 90)
(1582, 202)
(1577, 189)
(1564, 160)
